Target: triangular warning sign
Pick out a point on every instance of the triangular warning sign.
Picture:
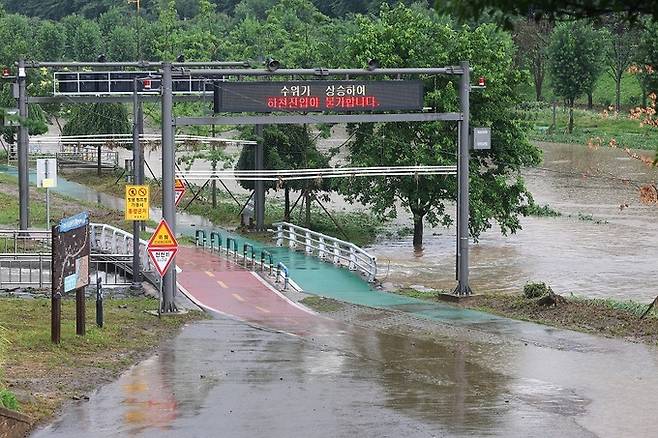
(179, 190)
(163, 237)
(178, 196)
(162, 258)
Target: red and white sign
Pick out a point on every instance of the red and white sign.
(162, 247)
(180, 189)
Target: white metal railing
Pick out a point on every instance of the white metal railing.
(108, 239)
(25, 254)
(325, 247)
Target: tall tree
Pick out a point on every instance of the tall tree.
(551, 9)
(575, 56)
(98, 118)
(498, 192)
(532, 38)
(621, 51)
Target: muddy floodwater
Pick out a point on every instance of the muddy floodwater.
(604, 244)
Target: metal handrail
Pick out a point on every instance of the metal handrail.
(201, 233)
(235, 247)
(323, 247)
(213, 235)
(246, 246)
(280, 267)
(263, 255)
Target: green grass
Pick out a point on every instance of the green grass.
(420, 294)
(604, 93)
(69, 368)
(542, 211)
(590, 125)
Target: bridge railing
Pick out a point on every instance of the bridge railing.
(325, 247)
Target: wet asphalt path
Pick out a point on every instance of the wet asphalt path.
(281, 371)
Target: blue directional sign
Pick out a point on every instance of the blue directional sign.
(73, 222)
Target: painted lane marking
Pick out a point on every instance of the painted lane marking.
(222, 284)
(261, 309)
(210, 274)
(238, 297)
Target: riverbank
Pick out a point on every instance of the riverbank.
(357, 226)
(44, 376)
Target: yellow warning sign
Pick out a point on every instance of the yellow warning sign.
(179, 184)
(163, 237)
(137, 203)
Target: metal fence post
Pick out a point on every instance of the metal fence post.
(309, 247)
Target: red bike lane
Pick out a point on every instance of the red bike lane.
(223, 286)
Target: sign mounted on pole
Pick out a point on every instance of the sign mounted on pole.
(70, 269)
(180, 189)
(162, 247)
(320, 95)
(137, 202)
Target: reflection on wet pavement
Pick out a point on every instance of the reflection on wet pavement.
(611, 259)
(224, 378)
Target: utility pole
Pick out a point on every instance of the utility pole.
(137, 179)
(463, 287)
(259, 164)
(168, 204)
(23, 149)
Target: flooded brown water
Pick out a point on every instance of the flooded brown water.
(613, 254)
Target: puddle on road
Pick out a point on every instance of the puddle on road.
(250, 382)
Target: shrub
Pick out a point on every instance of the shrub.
(8, 400)
(536, 290)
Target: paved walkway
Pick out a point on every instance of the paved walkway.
(225, 287)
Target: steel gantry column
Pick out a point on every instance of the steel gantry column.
(259, 164)
(137, 179)
(168, 204)
(463, 287)
(23, 149)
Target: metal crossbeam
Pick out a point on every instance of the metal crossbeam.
(298, 119)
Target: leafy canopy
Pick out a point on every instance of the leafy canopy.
(408, 37)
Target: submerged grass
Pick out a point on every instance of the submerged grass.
(607, 317)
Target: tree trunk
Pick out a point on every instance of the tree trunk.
(570, 128)
(214, 193)
(286, 206)
(307, 199)
(418, 231)
(618, 93)
(590, 100)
